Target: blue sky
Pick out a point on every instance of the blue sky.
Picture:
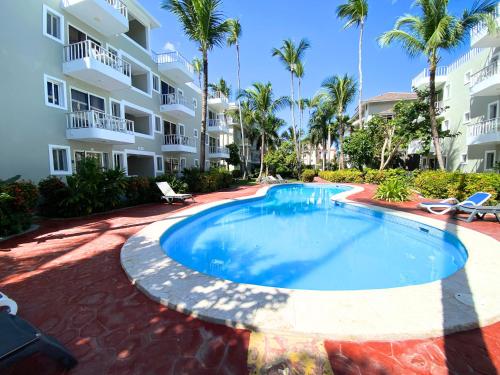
(265, 23)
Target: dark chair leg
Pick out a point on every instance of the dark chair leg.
(53, 349)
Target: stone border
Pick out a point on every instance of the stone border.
(418, 311)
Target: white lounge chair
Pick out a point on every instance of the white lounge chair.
(272, 180)
(169, 194)
(477, 211)
(9, 304)
(281, 180)
(447, 205)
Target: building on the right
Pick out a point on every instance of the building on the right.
(469, 93)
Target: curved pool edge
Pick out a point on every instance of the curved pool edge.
(410, 312)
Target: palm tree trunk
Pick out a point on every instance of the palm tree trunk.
(432, 112)
(329, 145)
(323, 155)
(245, 159)
(341, 143)
(262, 156)
(292, 89)
(204, 96)
(300, 118)
(360, 72)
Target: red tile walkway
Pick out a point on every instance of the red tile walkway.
(67, 279)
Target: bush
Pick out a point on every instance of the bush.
(308, 175)
(343, 175)
(435, 184)
(205, 182)
(17, 201)
(53, 191)
(393, 190)
(236, 173)
(138, 190)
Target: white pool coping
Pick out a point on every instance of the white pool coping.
(419, 311)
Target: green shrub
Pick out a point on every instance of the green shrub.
(236, 173)
(308, 175)
(375, 176)
(343, 175)
(52, 191)
(17, 201)
(436, 184)
(138, 190)
(393, 190)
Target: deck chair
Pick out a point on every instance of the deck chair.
(447, 205)
(281, 179)
(477, 212)
(20, 339)
(8, 304)
(169, 194)
(272, 180)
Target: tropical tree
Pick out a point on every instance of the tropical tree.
(220, 87)
(340, 91)
(291, 55)
(262, 107)
(198, 68)
(320, 125)
(432, 31)
(355, 12)
(233, 39)
(299, 72)
(205, 24)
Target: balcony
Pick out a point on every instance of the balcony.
(97, 126)
(215, 152)
(175, 67)
(89, 62)
(218, 101)
(108, 17)
(177, 106)
(486, 82)
(422, 80)
(481, 38)
(484, 132)
(178, 143)
(217, 126)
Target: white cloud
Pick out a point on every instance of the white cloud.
(169, 46)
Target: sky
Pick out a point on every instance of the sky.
(334, 50)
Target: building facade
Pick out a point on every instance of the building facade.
(81, 80)
(470, 98)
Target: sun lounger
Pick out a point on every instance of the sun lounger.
(281, 179)
(169, 194)
(20, 339)
(447, 205)
(8, 304)
(477, 211)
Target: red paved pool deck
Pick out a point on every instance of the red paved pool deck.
(67, 279)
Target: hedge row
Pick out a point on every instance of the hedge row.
(17, 201)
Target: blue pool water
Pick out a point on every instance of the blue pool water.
(296, 237)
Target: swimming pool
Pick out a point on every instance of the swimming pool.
(295, 237)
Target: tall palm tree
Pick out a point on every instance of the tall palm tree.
(233, 39)
(431, 32)
(299, 72)
(198, 68)
(320, 123)
(220, 87)
(355, 12)
(263, 107)
(290, 55)
(340, 91)
(205, 24)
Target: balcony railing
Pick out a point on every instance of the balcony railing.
(175, 139)
(485, 73)
(170, 57)
(218, 95)
(98, 119)
(482, 27)
(441, 71)
(216, 123)
(218, 150)
(119, 6)
(167, 99)
(88, 48)
(485, 127)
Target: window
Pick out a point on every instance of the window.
(447, 91)
(83, 101)
(493, 110)
(158, 124)
(196, 163)
(53, 24)
(169, 128)
(55, 92)
(59, 160)
(116, 108)
(467, 78)
(159, 163)
(182, 164)
(195, 133)
(207, 140)
(446, 125)
(466, 117)
(181, 130)
(489, 160)
(463, 158)
(118, 160)
(101, 158)
(156, 82)
(195, 103)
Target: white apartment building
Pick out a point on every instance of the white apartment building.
(80, 79)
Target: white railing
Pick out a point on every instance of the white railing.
(100, 120)
(119, 6)
(170, 57)
(167, 99)
(484, 127)
(481, 28)
(88, 48)
(485, 73)
(441, 71)
(439, 105)
(175, 139)
(216, 123)
(218, 150)
(218, 95)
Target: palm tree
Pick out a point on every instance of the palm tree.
(263, 107)
(435, 29)
(355, 12)
(233, 39)
(291, 55)
(320, 123)
(203, 23)
(340, 91)
(198, 68)
(220, 87)
(299, 72)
